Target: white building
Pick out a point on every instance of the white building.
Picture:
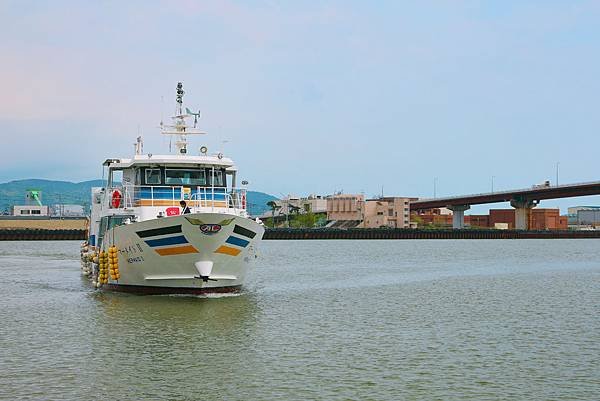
(67, 211)
(295, 204)
(33, 205)
(30, 210)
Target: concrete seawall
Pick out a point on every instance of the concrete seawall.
(378, 233)
(322, 234)
(40, 234)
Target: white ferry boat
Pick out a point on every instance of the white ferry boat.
(170, 224)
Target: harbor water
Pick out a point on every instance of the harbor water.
(317, 320)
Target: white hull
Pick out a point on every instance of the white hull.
(192, 253)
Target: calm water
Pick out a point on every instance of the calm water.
(331, 320)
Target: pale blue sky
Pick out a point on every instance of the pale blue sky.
(312, 97)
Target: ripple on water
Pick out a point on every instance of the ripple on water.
(336, 320)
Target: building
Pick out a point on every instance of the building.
(292, 204)
(33, 205)
(502, 216)
(547, 219)
(315, 203)
(478, 220)
(393, 212)
(67, 211)
(539, 219)
(435, 217)
(588, 216)
(345, 207)
(30, 210)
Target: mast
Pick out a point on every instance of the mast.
(180, 129)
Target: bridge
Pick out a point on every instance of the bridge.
(523, 200)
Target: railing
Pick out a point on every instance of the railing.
(128, 196)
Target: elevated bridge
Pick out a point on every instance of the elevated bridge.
(523, 200)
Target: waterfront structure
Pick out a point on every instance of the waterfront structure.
(540, 219)
(174, 223)
(64, 210)
(478, 221)
(33, 205)
(30, 210)
(291, 204)
(584, 216)
(393, 212)
(346, 207)
(436, 217)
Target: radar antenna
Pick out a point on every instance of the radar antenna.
(179, 127)
(179, 99)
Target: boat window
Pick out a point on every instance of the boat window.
(218, 181)
(116, 178)
(108, 222)
(185, 177)
(116, 221)
(152, 176)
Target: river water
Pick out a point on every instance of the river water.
(317, 320)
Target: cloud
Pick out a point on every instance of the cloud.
(352, 94)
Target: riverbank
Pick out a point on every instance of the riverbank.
(382, 233)
(23, 234)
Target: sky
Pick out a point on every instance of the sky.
(311, 97)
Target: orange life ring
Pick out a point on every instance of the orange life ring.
(116, 199)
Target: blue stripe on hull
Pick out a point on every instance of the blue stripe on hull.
(180, 239)
(237, 241)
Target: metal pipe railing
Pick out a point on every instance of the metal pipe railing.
(201, 197)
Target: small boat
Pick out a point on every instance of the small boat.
(170, 224)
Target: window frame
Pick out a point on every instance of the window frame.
(149, 170)
(190, 184)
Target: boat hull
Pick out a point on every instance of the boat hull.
(154, 290)
(195, 253)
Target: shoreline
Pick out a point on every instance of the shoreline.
(40, 234)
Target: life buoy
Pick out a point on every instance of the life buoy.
(116, 198)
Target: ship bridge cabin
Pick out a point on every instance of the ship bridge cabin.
(204, 182)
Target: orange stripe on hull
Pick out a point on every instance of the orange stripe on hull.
(179, 250)
(156, 202)
(227, 250)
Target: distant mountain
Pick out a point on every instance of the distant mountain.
(64, 192)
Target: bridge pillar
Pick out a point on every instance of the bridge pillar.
(458, 215)
(523, 212)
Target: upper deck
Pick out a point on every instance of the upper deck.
(149, 159)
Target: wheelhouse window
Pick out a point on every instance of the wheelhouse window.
(152, 176)
(185, 177)
(218, 178)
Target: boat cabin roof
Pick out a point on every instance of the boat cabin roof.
(170, 160)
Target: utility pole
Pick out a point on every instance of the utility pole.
(557, 164)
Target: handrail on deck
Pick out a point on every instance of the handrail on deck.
(198, 197)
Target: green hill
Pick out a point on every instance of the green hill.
(78, 193)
